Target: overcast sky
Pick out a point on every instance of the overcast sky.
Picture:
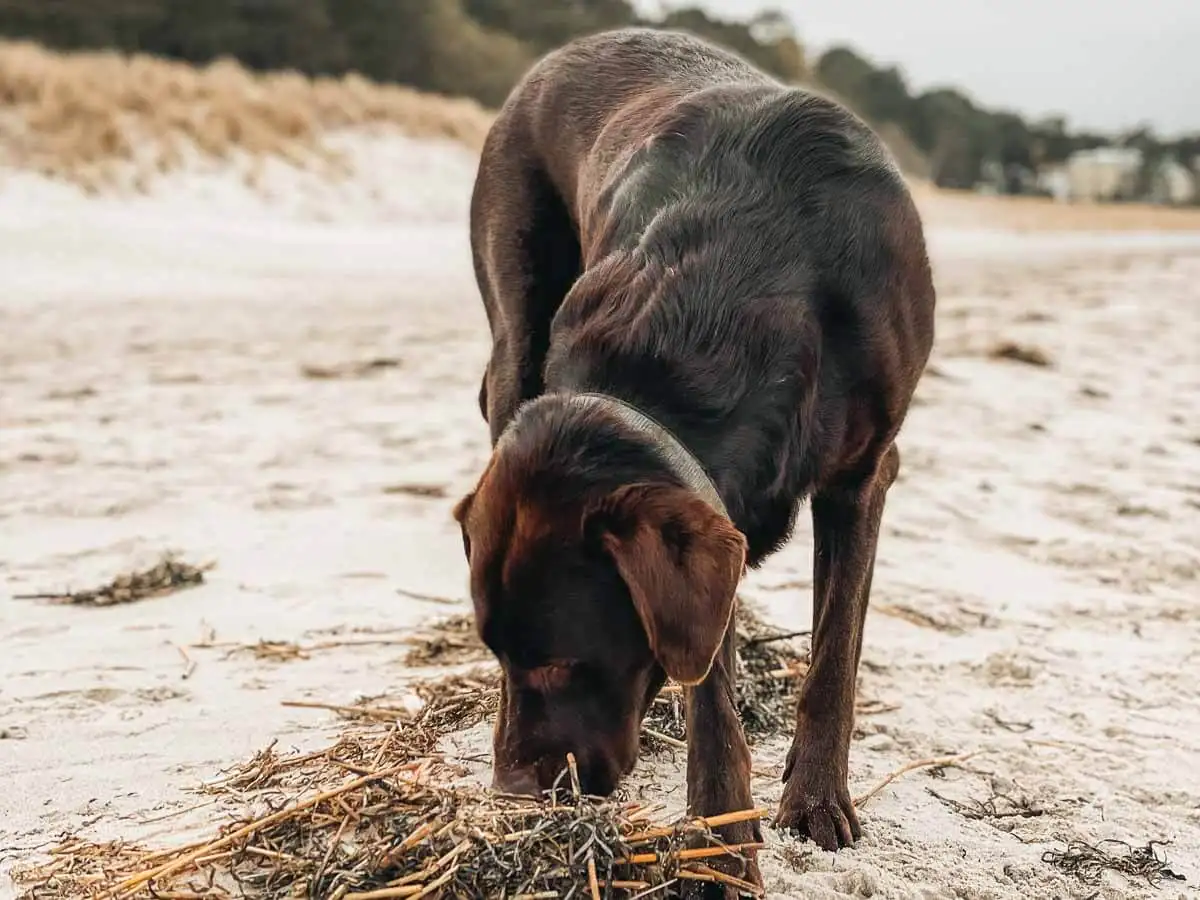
(1105, 64)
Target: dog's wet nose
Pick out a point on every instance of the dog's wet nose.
(520, 782)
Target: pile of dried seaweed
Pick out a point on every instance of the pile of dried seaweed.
(377, 815)
(447, 642)
(1089, 862)
(166, 577)
(388, 835)
(770, 666)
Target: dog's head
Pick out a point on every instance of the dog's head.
(594, 575)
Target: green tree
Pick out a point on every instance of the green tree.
(467, 58)
(198, 32)
(81, 24)
(845, 74)
(783, 58)
(388, 40)
(288, 34)
(544, 26)
(947, 126)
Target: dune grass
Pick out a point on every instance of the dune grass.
(88, 118)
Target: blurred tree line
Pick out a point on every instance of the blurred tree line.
(476, 48)
(479, 48)
(957, 137)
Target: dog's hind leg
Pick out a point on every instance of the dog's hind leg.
(846, 518)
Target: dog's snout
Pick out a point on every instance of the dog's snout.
(599, 780)
(521, 782)
(597, 777)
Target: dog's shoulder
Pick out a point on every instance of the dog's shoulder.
(640, 51)
(592, 77)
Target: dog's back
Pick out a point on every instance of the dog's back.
(634, 96)
(617, 82)
(713, 242)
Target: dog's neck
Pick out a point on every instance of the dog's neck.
(681, 461)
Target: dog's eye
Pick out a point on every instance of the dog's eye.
(552, 676)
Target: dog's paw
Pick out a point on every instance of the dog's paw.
(820, 811)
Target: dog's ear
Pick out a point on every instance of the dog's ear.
(463, 506)
(460, 508)
(681, 561)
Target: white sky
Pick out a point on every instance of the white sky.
(1105, 64)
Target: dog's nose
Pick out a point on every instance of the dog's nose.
(599, 780)
(520, 782)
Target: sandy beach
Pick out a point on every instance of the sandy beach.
(283, 383)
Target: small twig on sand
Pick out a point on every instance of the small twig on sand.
(916, 617)
(1022, 353)
(593, 879)
(286, 651)
(1009, 725)
(987, 810)
(643, 859)
(189, 664)
(354, 369)
(788, 672)
(935, 762)
(701, 872)
(665, 738)
(407, 890)
(709, 822)
(652, 891)
(428, 598)
(177, 812)
(772, 638)
(386, 713)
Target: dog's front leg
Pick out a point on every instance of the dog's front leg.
(718, 766)
(816, 798)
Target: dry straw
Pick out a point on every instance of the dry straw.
(383, 813)
(378, 815)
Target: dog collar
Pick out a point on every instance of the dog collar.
(681, 461)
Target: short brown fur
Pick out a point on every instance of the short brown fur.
(656, 221)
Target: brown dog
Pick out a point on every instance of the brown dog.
(709, 299)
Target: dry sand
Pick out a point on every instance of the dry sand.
(1037, 588)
